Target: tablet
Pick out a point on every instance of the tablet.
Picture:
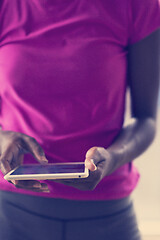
(48, 171)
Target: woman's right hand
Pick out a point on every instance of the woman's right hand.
(13, 146)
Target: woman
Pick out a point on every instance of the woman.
(64, 70)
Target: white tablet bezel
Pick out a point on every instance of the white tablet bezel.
(10, 177)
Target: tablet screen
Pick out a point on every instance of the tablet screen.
(49, 169)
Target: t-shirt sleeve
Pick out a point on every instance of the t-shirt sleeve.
(144, 18)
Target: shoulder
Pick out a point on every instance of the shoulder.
(144, 18)
(138, 6)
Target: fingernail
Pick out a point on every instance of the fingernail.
(95, 167)
(44, 159)
(14, 182)
(44, 186)
(46, 191)
(37, 185)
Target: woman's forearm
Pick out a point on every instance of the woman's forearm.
(132, 141)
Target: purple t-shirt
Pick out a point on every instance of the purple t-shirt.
(63, 67)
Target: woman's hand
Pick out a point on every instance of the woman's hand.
(98, 161)
(13, 146)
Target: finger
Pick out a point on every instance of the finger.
(11, 154)
(92, 159)
(89, 163)
(91, 152)
(5, 166)
(5, 162)
(98, 154)
(32, 146)
(93, 156)
(32, 185)
(17, 158)
(11, 159)
(20, 159)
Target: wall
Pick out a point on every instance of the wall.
(147, 194)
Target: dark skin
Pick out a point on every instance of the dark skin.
(132, 141)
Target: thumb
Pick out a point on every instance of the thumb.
(90, 161)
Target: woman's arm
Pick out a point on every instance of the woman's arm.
(134, 139)
(143, 75)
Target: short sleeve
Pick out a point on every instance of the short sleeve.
(144, 18)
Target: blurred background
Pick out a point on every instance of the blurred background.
(147, 195)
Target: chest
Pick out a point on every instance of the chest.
(65, 52)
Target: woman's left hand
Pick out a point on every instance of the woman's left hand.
(98, 161)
